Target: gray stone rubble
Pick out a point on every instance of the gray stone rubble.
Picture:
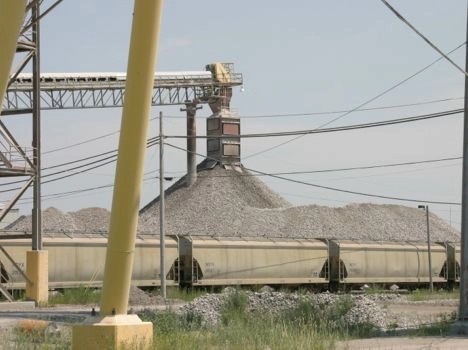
(363, 310)
(225, 203)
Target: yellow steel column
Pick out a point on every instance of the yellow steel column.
(12, 14)
(115, 329)
(130, 162)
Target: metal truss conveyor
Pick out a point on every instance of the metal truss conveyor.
(100, 90)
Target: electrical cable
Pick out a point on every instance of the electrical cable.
(360, 106)
(152, 141)
(288, 173)
(334, 129)
(333, 188)
(404, 20)
(108, 160)
(355, 192)
(304, 114)
(269, 116)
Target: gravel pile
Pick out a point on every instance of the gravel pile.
(225, 203)
(88, 220)
(138, 297)
(208, 307)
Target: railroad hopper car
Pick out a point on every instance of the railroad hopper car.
(79, 261)
(206, 261)
(390, 263)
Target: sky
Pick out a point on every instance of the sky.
(296, 57)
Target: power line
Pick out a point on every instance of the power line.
(334, 188)
(99, 163)
(423, 37)
(389, 165)
(334, 129)
(360, 106)
(152, 141)
(85, 141)
(305, 114)
(319, 113)
(355, 192)
(64, 194)
(269, 116)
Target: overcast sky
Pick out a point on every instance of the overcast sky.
(295, 57)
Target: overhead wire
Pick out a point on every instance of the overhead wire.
(404, 20)
(266, 116)
(304, 114)
(153, 140)
(334, 129)
(334, 188)
(375, 166)
(359, 106)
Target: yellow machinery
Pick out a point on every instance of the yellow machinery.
(12, 14)
(115, 329)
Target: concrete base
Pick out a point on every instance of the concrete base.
(459, 328)
(37, 270)
(113, 332)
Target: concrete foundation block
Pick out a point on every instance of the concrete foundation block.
(118, 332)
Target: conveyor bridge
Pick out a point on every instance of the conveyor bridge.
(100, 90)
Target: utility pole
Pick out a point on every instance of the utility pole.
(161, 207)
(429, 252)
(463, 312)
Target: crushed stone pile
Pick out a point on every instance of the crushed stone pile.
(208, 307)
(88, 220)
(226, 203)
(140, 297)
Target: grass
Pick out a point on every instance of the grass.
(308, 326)
(183, 294)
(77, 296)
(425, 294)
(36, 334)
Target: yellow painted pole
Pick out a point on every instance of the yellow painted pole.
(130, 161)
(12, 14)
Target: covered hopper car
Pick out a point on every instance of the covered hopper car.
(213, 261)
(79, 261)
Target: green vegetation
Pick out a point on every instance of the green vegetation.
(81, 296)
(425, 294)
(35, 334)
(308, 326)
(183, 294)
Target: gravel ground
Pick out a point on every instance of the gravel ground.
(228, 204)
(386, 311)
(363, 310)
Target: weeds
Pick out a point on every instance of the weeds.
(37, 334)
(234, 308)
(184, 294)
(424, 294)
(80, 296)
